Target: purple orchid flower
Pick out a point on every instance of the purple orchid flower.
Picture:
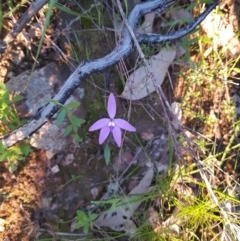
(110, 124)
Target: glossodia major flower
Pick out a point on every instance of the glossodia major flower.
(110, 124)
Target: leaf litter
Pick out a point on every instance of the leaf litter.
(139, 84)
(119, 218)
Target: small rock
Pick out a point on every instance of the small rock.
(147, 136)
(55, 169)
(69, 158)
(96, 191)
(55, 206)
(50, 155)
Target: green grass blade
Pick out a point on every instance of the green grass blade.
(49, 13)
(14, 8)
(69, 11)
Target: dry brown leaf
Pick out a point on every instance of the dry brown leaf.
(147, 25)
(140, 84)
(119, 219)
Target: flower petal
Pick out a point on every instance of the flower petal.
(99, 124)
(111, 106)
(117, 135)
(103, 134)
(124, 125)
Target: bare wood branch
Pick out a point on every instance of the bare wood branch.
(23, 132)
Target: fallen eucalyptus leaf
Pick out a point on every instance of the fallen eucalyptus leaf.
(119, 218)
(140, 84)
(147, 26)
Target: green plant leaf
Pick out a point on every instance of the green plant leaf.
(206, 1)
(81, 218)
(81, 121)
(2, 148)
(6, 95)
(12, 167)
(81, 215)
(4, 156)
(206, 40)
(55, 102)
(190, 7)
(69, 11)
(75, 128)
(61, 117)
(85, 220)
(73, 104)
(92, 216)
(26, 149)
(24, 121)
(67, 130)
(86, 228)
(17, 98)
(237, 70)
(15, 150)
(75, 120)
(113, 202)
(107, 154)
(77, 138)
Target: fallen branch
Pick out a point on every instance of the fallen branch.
(85, 69)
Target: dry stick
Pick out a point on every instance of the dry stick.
(24, 132)
(21, 23)
(79, 235)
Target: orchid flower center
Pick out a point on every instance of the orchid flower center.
(111, 124)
